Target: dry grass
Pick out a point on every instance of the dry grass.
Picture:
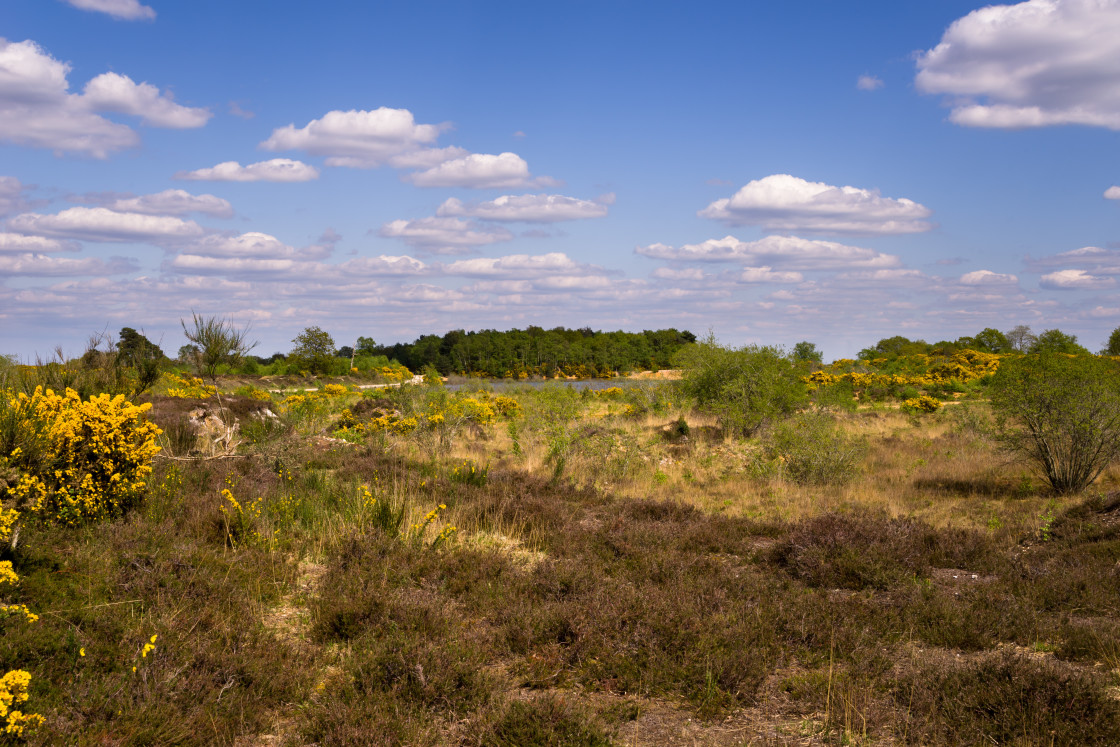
(660, 588)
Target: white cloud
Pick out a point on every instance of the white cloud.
(767, 275)
(527, 208)
(173, 202)
(37, 109)
(1112, 193)
(987, 277)
(230, 265)
(477, 170)
(112, 92)
(366, 139)
(127, 10)
(519, 265)
(14, 242)
(275, 170)
(1101, 261)
(444, 235)
(42, 265)
(251, 244)
(781, 202)
(383, 265)
(789, 252)
(102, 224)
(869, 83)
(1033, 64)
(1075, 280)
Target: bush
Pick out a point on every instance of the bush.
(745, 387)
(813, 450)
(97, 459)
(1060, 413)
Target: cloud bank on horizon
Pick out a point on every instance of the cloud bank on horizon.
(388, 200)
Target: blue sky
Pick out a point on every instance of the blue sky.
(774, 172)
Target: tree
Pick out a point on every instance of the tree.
(1061, 413)
(1021, 338)
(217, 342)
(1057, 341)
(187, 353)
(807, 351)
(745, 387)
(1113, 347)
(894, 347)
(366, 346)
(141, 354)
(988, 340)
(313, 352)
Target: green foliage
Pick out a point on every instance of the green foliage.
(894, 347)
(745, 387)
(313, 352)
(365, 346)
(1113, 347)
(988, 340)
(1056, 341)
(537, 352)
(217, 342)
(1061, 414)
(813, 450)
(807, 352)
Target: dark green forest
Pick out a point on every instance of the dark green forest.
(537, 351)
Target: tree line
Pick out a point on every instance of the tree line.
(537, 351)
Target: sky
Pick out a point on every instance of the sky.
(771, 172)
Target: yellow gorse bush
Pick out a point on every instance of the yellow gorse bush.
(921, 404)
(13, 691)
(188, 387)
(99, 459)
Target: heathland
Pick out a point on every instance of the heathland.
(752, 548)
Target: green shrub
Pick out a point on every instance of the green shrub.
(1061, 414)
(745, 387)
(813, 450)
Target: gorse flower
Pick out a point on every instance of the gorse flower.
(13, 691)
(99, 457)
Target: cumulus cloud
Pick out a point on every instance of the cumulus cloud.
(383, 265)
(781, 202)
(1112, 193)
(518, 265)
(173, 202)
(789, 252)
(528, 208)
(987, 277)
(869, 83)
(37, 109)
(102, 224)
(112, 92)
(126, 10)
(1033, 64)
(1100, 260)
(18, 243)
(366, 139)
(478, 171)
(275, 170)
(767, 275)
(42, 265)
(1075, 280)
(444, 235)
